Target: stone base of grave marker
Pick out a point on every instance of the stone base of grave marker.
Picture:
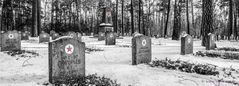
(66, 60)
(141, 50)
(186, 45)
(110, 38)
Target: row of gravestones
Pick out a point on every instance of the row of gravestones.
(45, 37)
(67, 54)
(11, 40)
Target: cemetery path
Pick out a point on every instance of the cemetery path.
(114, 62)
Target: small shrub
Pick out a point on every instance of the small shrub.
(228, 49)
(219, 54)
(90, 80)
(22, 53)
(203, 69)
(88, 50)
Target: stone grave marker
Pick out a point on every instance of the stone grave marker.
(211, 45)
(72, 34)
(25, 35)
(186, 44)
(44, 37)
(55, 36)
(141, 50)
(11, 40)
(66, 60)
(52, 32)
(1, 34)
(110, 38)
(79, 36)
(101, 36)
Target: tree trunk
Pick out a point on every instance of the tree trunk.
(39, 17)
(116, 18)
(139, 21)
(187, 14)
(207, 21)
(122, 27)
(132, 17)
(34, 19)
(177, 20)
(166, 23)
(230, 23)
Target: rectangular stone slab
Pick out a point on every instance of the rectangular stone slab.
(66, 60)
(11, 40)
(211, 45)
(101, 36)
(141, 50)
(110, 38)
(186, 45)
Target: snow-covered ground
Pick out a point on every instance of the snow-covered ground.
(115, 63)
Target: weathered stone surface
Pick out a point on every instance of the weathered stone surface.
(10, 41)
(211, 45)
(141, 50)
(101, 36)
(44, 37)
(110, 38)
(66, 60)
(186, 45)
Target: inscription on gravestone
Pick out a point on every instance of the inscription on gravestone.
(141, 50)
(11, 40)
(110, 38)
(101, 36)
(66, 60)
(211, 45)
(44, 37)
(186, 44)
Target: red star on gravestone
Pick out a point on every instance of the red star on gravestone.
(69, 49)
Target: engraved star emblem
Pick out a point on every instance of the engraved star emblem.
(69, 49)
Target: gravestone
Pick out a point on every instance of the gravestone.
(44, 37)
(186, 44)
(79, 36)
(211, 45)
(52, 32)
(110, 38)
(72, 34)
(66, 60)
(101, 36)
(25, 36)
(55, 36)
(1, 34)
(11, 40)
(141, 50)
